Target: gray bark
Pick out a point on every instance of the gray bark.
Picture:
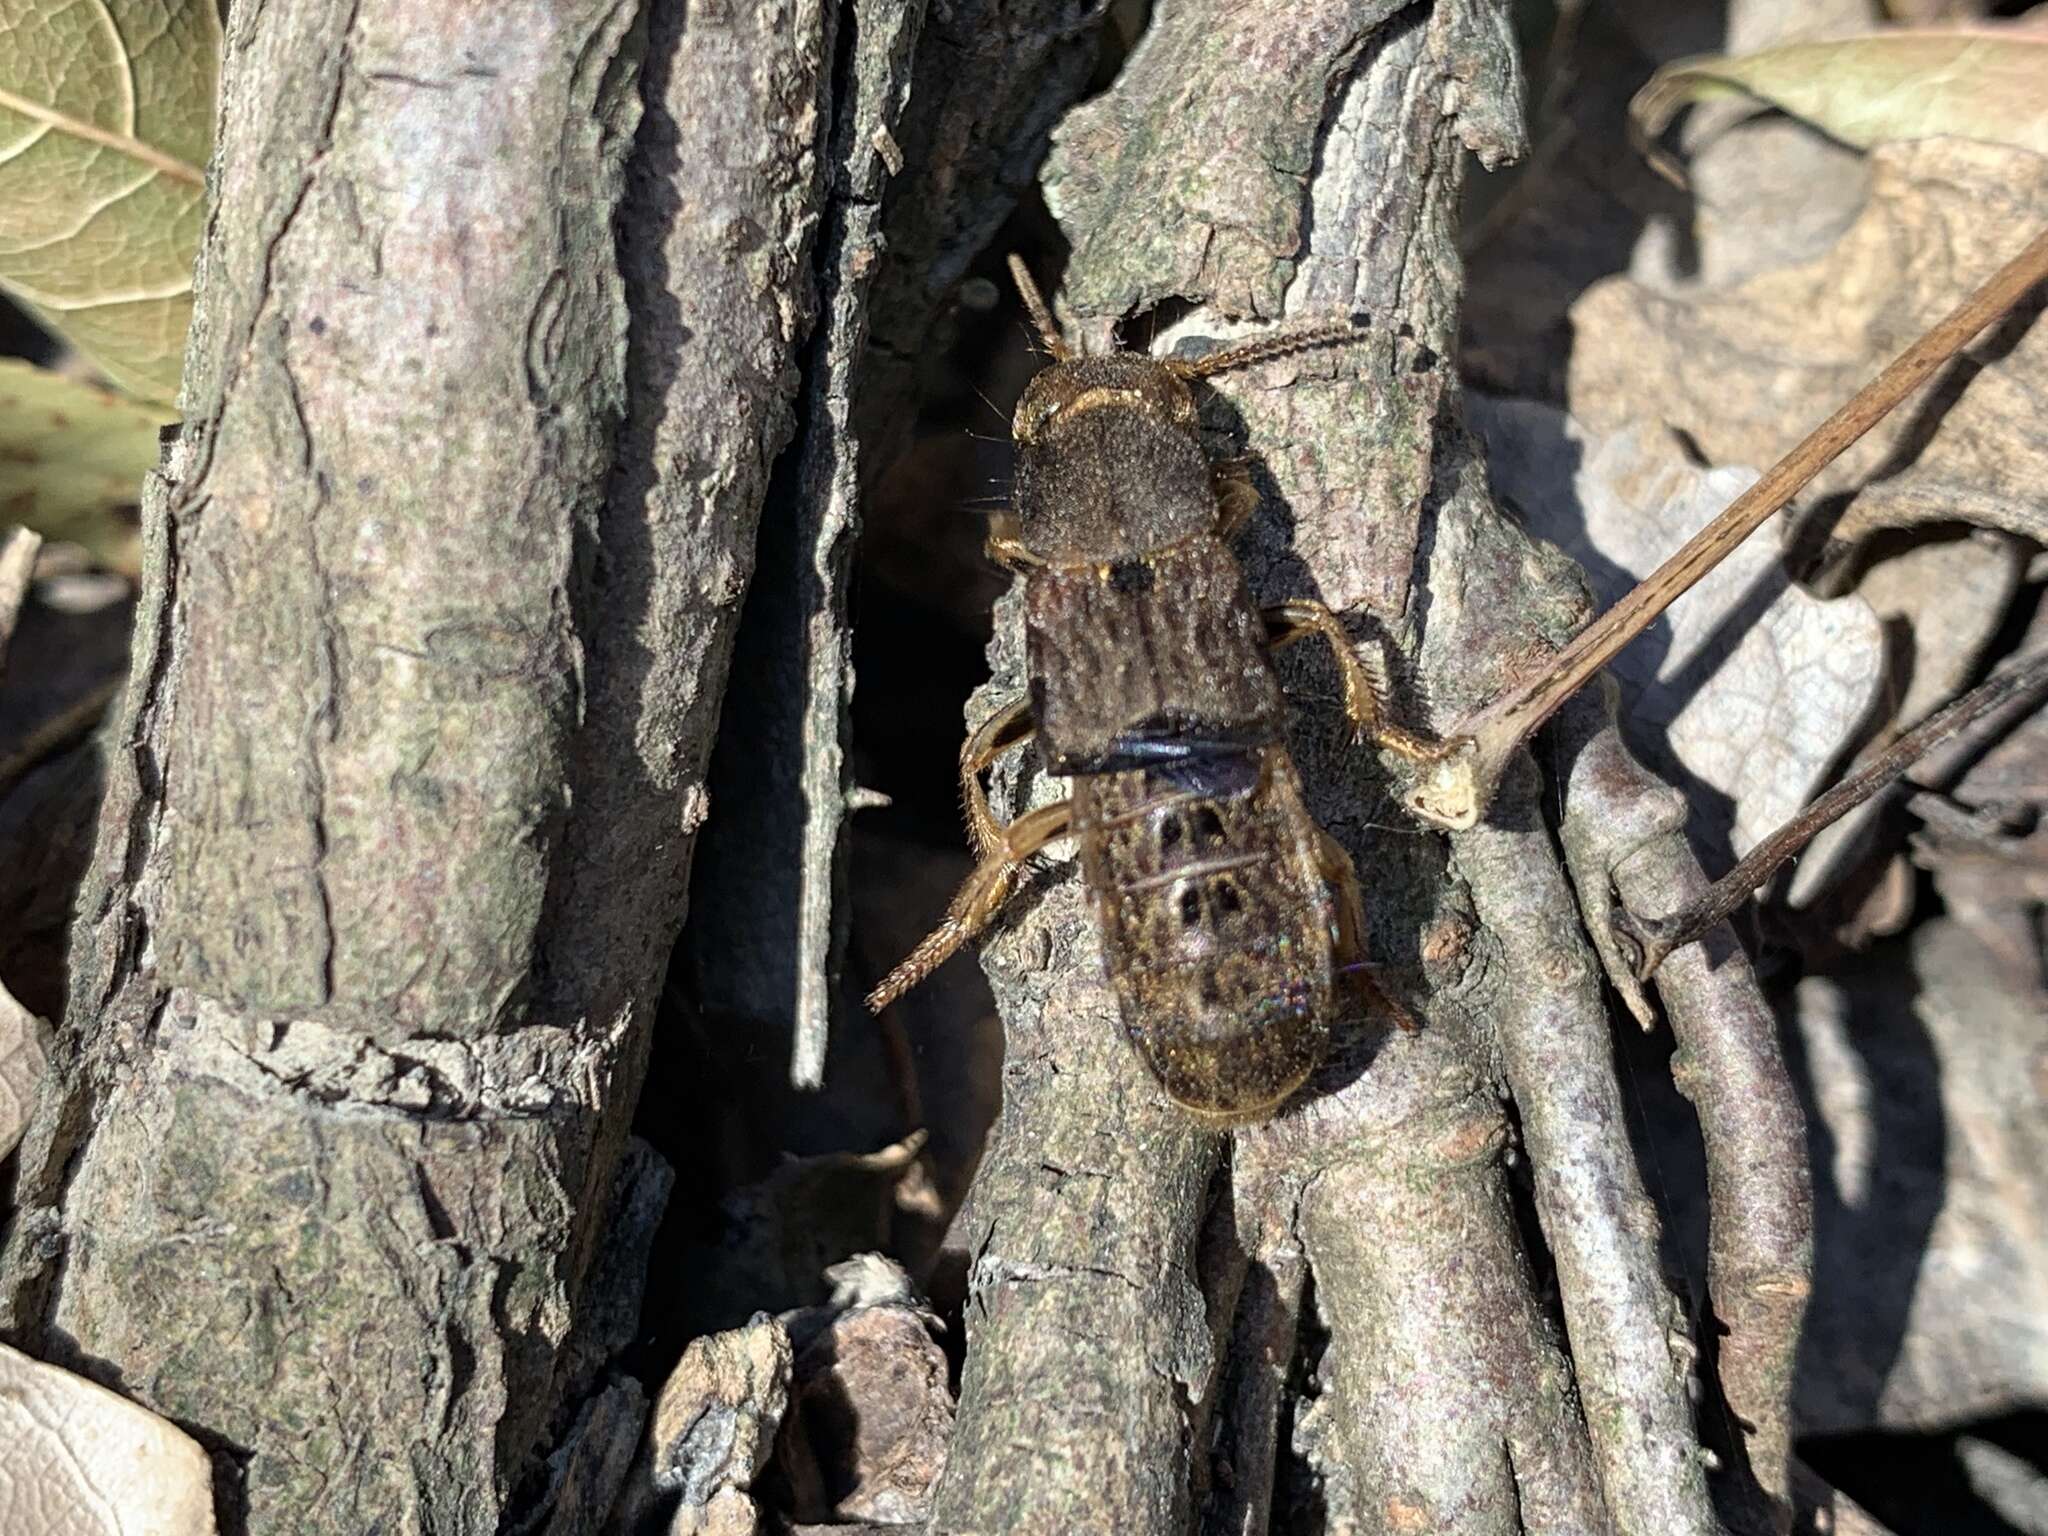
(1627, 830)
(443, 579)
(765, 949)
(960, 102)
(1444, 1399)
(428, 660)
(990, 80)
(1597, 1219)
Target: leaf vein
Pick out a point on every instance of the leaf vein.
(86, 216)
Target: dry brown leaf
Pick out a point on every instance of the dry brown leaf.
(1984, 833)
(24, 1056)
(82, 1461)
(1977, 82)
(1941, 602)
(1951, 595)
(1748, 687)
(1747, 371)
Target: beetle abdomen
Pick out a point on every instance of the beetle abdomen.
(1216, 924)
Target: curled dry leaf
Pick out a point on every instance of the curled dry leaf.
(106, 121)
(72, 458)
(1748, 687)
(24, 1056)
(1746, 371)
(1975, 83)
(1952, 595)
(1984, 834)
(83, 1461)
(2001, 763)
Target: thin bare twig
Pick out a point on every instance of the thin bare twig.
(1629, 830)
(1554, 1042)
(1450, 1404)
(1456, 792)
(1656, 937)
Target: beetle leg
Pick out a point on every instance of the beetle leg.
(1236, 497)
(996, 735)
(1333, 863)
(1366, 688)
(978, 901)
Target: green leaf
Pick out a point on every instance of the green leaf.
(72, 458)
(106, 120)
(1977, 83)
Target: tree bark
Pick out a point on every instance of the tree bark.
(1625, 832)
(504, 318)
(765, 951)
(429, 656)
(1300, 164)
(960, 102)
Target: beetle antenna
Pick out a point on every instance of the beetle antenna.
(1041, 316)
(1261, 349)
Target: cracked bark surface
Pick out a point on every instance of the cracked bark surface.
(1447, 1396)
(338, 1173)
(990, 80)
(941, 116)
(765, 949)
(429, 656)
